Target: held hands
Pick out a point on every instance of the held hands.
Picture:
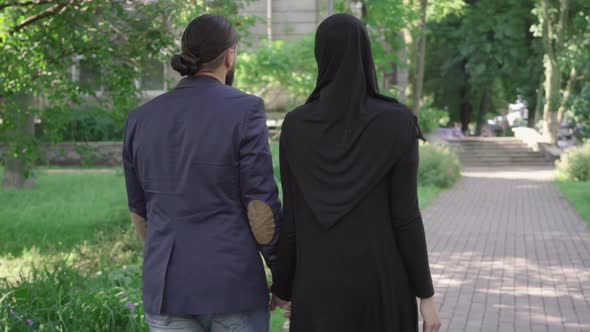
(430, 315)
(276, 302)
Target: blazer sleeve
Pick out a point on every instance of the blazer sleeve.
(287, 244)
(135, 193)
(259, 191)
(407, 220)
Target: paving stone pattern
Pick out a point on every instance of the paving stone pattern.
(508, 253)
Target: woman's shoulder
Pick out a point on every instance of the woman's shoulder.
(288, 122)
(393, 113)
(300, 110)
(390, 107)
(291, 117)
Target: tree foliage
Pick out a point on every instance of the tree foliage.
(288, 65)
(488, 49)
(479, 55)
(43, 40)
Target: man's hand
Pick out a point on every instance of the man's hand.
(276, 302)
(140, 225)
(430, 315)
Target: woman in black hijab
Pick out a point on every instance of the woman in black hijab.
(352, 252)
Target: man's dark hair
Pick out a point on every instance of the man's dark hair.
(204, 42)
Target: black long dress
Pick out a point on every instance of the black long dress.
(352, 250)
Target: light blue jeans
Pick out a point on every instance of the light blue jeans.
(249, 321)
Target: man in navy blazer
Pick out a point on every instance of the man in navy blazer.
(201, 192)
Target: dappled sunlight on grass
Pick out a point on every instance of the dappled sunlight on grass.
(119, 248)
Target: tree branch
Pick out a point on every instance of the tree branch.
(547, 30)
(566, 94)
(561, 25)
(24, 3)
(32, 19)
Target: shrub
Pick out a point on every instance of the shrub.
(431, 117)
(439, 166)
(288, 65)
(87, 123)
(575, 163)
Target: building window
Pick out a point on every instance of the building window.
(88, 73)
(153, 76)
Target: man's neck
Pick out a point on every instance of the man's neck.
(215, 75)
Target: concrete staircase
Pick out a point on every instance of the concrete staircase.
(496, 152)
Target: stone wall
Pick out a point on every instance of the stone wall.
(81, 154)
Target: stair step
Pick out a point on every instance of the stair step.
(491, 146)
(503, 153)
(516, 160)
(507, 147)
(474, 138)
(502, 157)
(496, 152)
(493, 156)
(486, 142)
(505, 165)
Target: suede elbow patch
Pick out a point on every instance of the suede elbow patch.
(262, 222)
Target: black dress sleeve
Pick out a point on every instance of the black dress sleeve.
(283, 284)
(407, 221)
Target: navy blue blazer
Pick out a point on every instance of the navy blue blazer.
(198, 167)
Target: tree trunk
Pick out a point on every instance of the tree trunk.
(533, 98)
(16, 171)
(484, 106)
(21, 132)
(566, 95)
(466, 110)
(536, 112)
(552, 87)
(552, 42)
(402, 73)
(420, 52)
(403, 68)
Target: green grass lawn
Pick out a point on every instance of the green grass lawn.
(578, 194)
(80, 219)
(62, 210)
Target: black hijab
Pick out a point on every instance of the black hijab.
(340, 144)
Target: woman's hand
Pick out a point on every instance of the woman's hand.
(277, 302)
(430, 315)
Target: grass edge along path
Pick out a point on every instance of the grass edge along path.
(578, 194)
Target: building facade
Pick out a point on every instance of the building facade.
(285, 19)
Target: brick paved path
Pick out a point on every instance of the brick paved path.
(508, 253)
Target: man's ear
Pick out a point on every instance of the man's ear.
(230, 57)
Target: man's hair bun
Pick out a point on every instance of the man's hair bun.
(185, 63)
(204, 40)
